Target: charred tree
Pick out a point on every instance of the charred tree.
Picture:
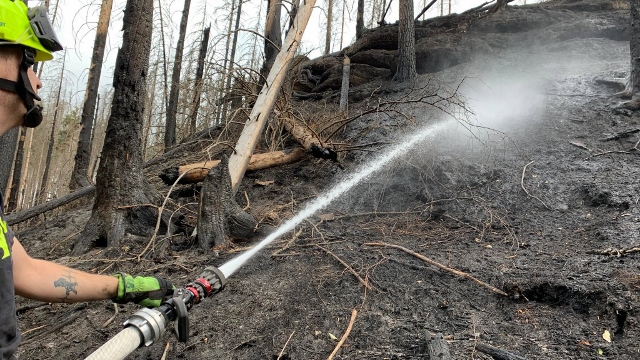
(406, 43)
(172, 105)
(220, 217)
(360, 19)
(8, 143)
(232, 59)
(199, 74)
(122, 193)
(17, 171)
(80, 175)
(633, 87)
(273, 38)
(47, 164)
(499, 6)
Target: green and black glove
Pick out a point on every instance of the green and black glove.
(147, 291)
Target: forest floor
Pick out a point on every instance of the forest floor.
(534, 194)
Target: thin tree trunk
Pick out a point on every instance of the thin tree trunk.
(634, 46)
(232, 60)
(344, 93)
(273, 38)
(172, 107)
(164, 62)
(327, 40)
(204, 45)
(222, 114)
(47, 164)
(17, 171)
(121, 188)
(149, 122)
(360, 19)
(80, 175)
(406, 43)
(8, 143)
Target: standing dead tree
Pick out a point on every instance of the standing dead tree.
(199, 74)
(272, 38)
(406, 43)
(80, 175)
(633, 87)
(172, 105)
(122, 192)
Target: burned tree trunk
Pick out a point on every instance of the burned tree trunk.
(199, 74)
(121, 189)
(273, 38)
(327, 40)
(499, 6)
(45, 176)
(633, 87)
(406, 43)
(360, 19)
(17, 171)
(8, 143)
(172, 106)
(220, 217)
(80, 175)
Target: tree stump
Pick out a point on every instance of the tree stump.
(220, 217)
(438, 347)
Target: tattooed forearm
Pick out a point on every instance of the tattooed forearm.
(68, 283)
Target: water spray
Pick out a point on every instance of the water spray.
(146, 326)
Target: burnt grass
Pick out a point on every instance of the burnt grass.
(541, 204)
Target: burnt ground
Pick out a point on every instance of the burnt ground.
(536, 199)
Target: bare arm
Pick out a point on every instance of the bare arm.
(46, 281)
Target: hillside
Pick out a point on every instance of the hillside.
(531, 186)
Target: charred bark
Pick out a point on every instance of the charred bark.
(273, 38)
(327, 40)
(438, 347)
(8, 143)
(220, 217)
(199, 74)
(17, 171)
(360, 19)
(172, 106)
(49, 205)
(80, 175)
(122, 193)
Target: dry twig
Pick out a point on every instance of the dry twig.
(106, 323)
(524, 169)
(440, 266)
(349, 268)
(166, 351)
(354, 313)
(285, 345)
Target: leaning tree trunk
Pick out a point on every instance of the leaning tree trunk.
(80, 175)
(172, 107)
(122, 193)
(406, 43)
(273, 38)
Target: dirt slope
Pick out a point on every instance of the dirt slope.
(526, 202)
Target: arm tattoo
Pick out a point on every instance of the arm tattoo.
(68, 283)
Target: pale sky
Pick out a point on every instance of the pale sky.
(76, 23)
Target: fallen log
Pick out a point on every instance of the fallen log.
(305, 137)
(197, 172)
(27, 214)
(496, 353)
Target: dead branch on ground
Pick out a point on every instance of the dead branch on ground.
(615, 252)
(440, 266)
(349, 268)
(354, 313)
(497, 353)
(524, 169)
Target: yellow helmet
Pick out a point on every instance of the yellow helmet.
(31, 28)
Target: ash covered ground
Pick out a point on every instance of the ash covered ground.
(534, 192)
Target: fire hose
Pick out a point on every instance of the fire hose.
(146, 326)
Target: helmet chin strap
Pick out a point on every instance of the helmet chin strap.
(23, 87)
